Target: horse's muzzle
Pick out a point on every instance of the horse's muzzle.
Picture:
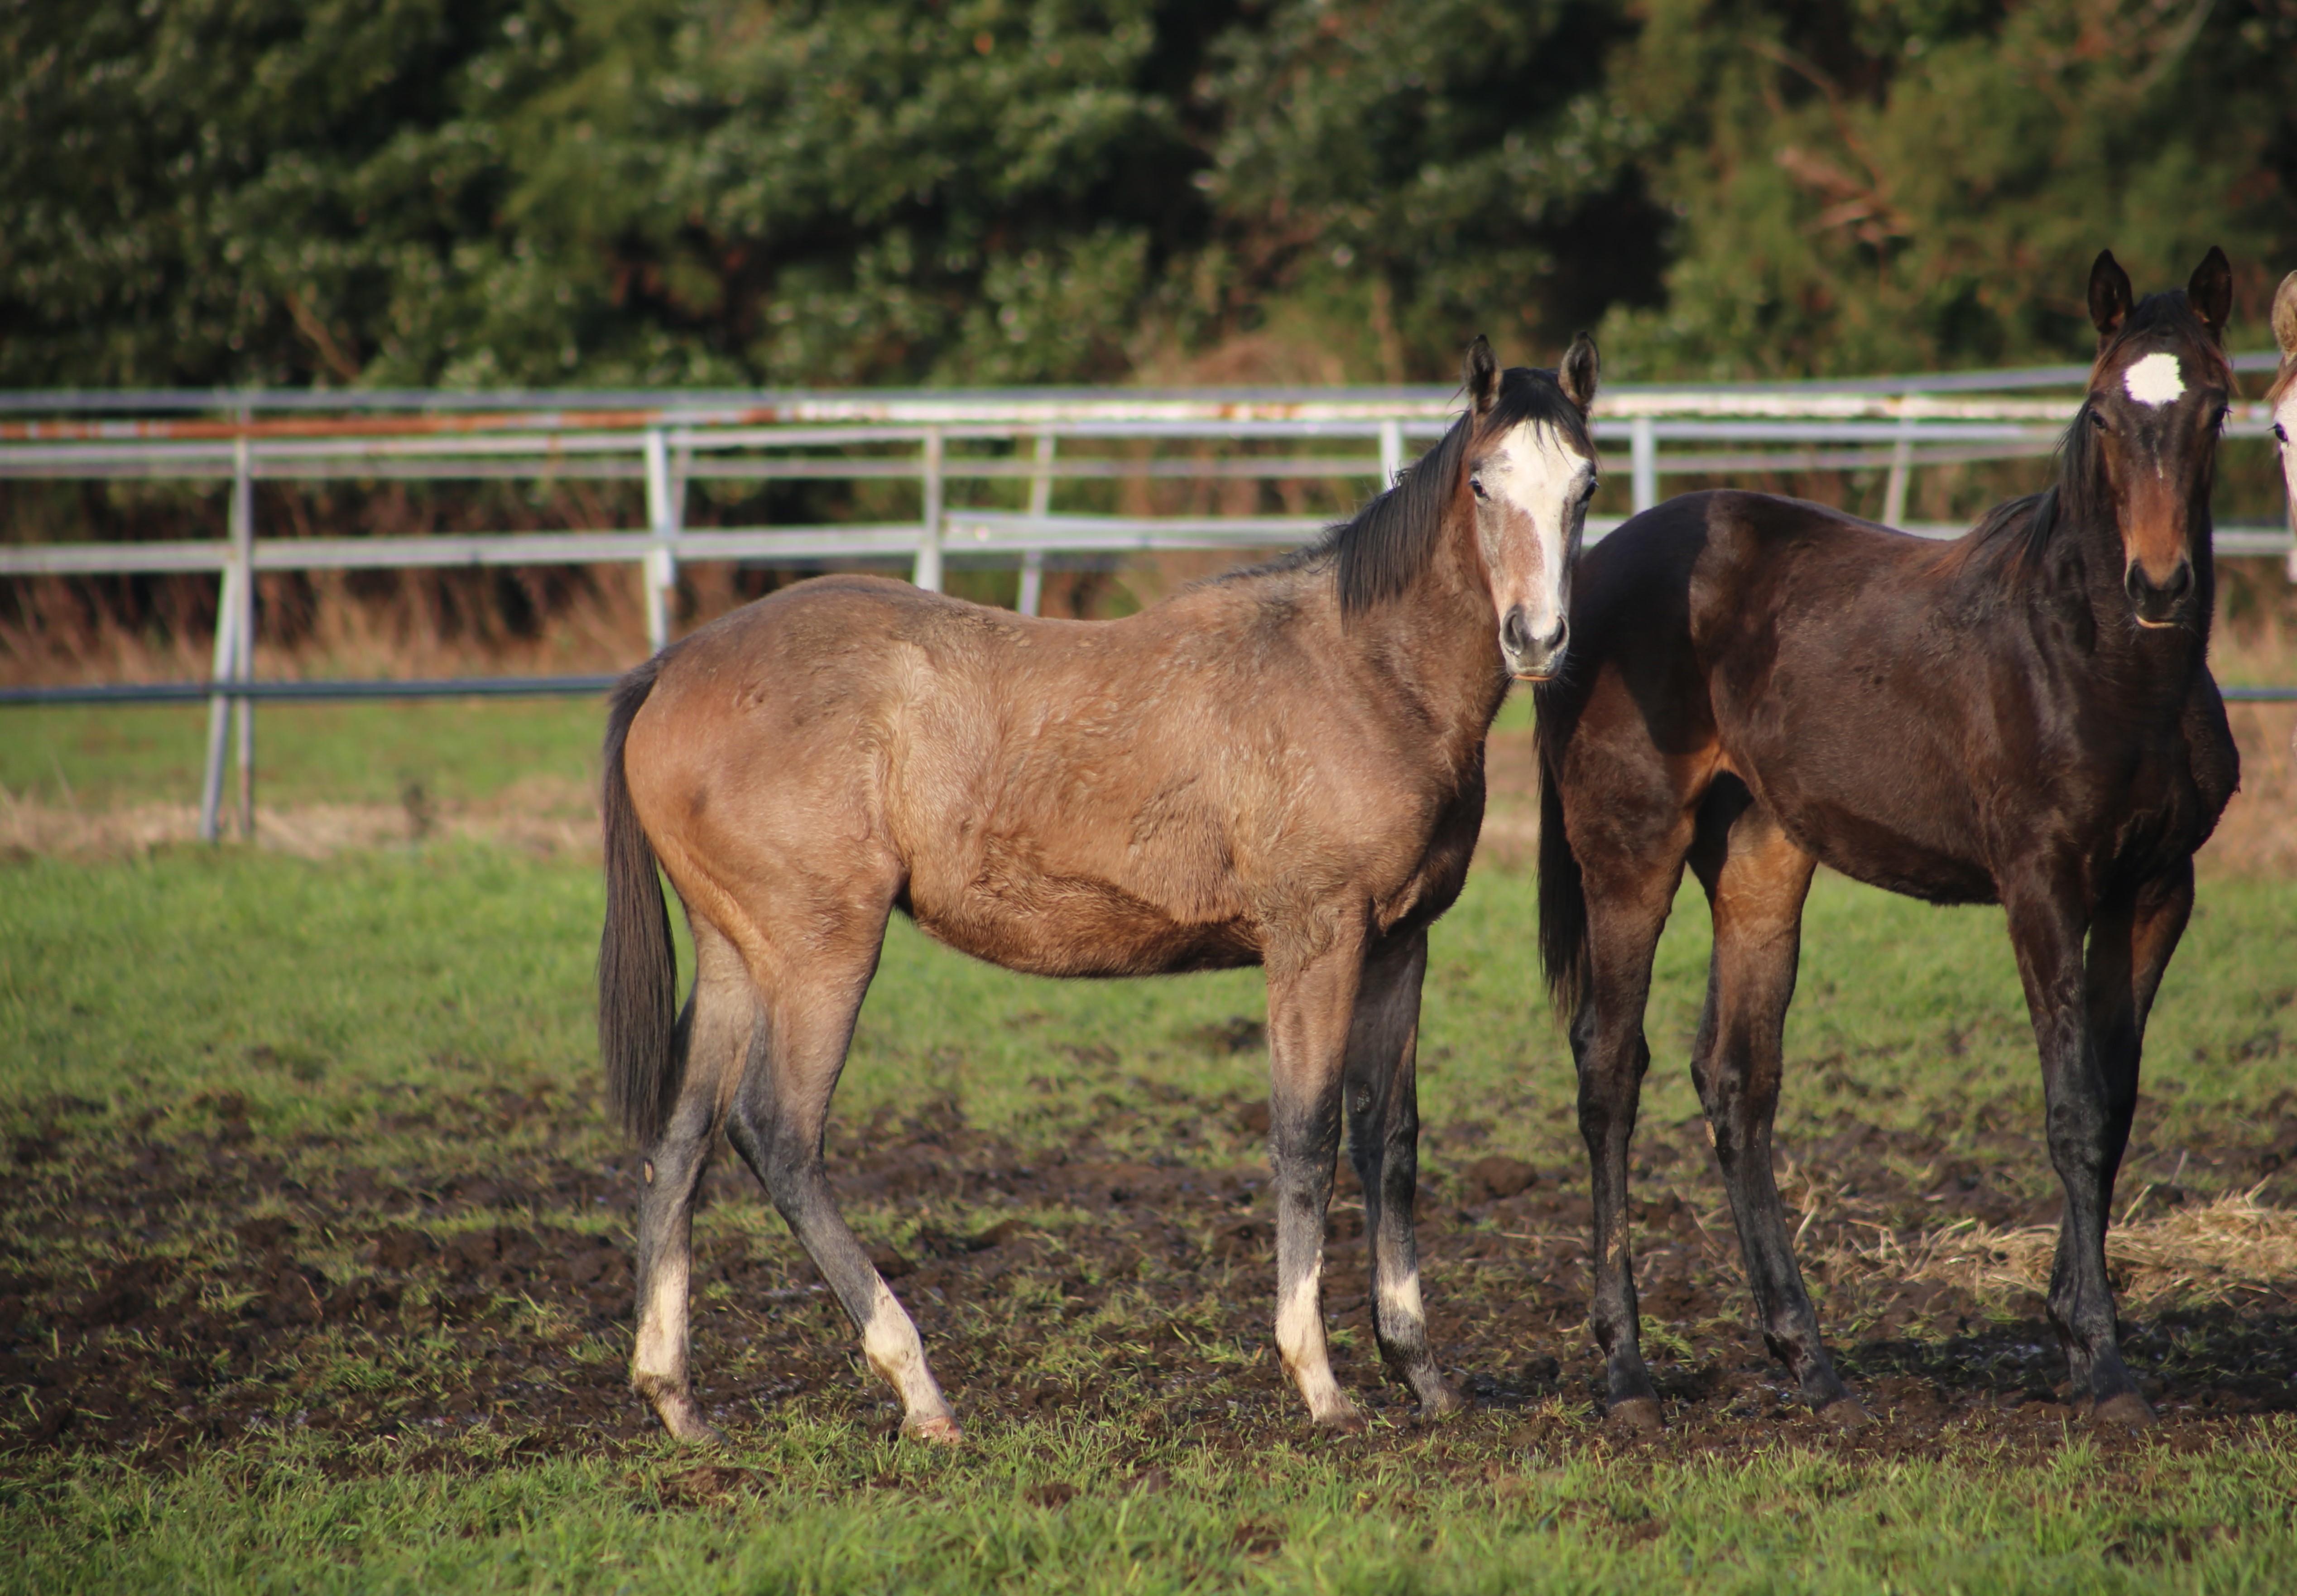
(1530, 658)
(2159, 604)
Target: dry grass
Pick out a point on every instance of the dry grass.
(2231, 1247)
(541, 815)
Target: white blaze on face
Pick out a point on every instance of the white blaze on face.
(2284, 431)
(1532, 481)
(2156, 380)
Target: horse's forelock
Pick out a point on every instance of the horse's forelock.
(1385, 547)
(2141, 333)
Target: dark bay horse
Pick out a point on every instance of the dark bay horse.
(1282, 767)
(2023, 716)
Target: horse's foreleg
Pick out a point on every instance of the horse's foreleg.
(1756, 882)
(2089, 1091)
(775, 1124)
(1383, 1099)
(713, 1034)
(1623, 922)
(2130, 948)
(1309, 1013)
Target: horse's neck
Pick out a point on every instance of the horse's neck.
(2140, 663)
(1437, 643)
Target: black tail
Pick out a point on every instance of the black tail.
(638, 966)
(1562, 895)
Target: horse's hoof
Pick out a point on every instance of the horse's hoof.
(1844, 1413)
(684, 1421)
(2126, 1408)
(1341, 1421)
(1440, 1398)
(1635, 1415)
(941, 1429)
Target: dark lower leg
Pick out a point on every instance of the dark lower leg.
(785, 1153)
(1308, 1024)
(1610, 1078)
(2085, 1028)
(669, 1171)
(1384, 1144)
(1756, 880)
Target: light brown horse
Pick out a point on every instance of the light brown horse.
(1282, 767)
(2283, 395)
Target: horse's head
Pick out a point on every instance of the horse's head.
(2157, 398)
(2283, 395)
(1530, 470)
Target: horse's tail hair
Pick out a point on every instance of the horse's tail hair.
(1562, 894)
(637, 966)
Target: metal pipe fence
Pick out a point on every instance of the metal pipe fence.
(936, 439)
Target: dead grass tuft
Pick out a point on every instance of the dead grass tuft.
(2211, 1252)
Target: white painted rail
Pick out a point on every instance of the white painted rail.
(936, 439)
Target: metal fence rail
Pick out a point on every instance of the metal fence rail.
(934, 439)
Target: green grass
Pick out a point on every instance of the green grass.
(103, 755)
(827, 1511)
(323, 998)
(323, 992)
(456, 967)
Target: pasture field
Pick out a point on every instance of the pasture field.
(314, 1269)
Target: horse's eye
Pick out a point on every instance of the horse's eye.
(1478, 484)
(2280, 432)
(2096, 420)
(1588, 494)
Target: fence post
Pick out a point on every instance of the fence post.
(926, 573)
(1902, 466)
(1643, 447)
(1041, 505)
(243, 545)
(664, 511)
(1391, 453)
(226, 660)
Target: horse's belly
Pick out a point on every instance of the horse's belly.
(1897, 857)
(1047, 927)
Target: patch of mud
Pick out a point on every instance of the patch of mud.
(158, 1297)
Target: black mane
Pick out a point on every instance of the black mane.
(1381, 550)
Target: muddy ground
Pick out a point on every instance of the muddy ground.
(165, 1295)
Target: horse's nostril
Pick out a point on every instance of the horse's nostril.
(2150, 597)
(1515, 633)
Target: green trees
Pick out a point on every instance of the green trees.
(779, 192)
(1868, 187)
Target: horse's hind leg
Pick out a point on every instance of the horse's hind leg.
(776, 1122)
(713, 1038)
(1383, 1100)
(1629, 891)
(1756, 880)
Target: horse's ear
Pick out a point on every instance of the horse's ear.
(1581, 365)
(2208, 294)
(2110, 298)
(2284, 317)
(1479, 375)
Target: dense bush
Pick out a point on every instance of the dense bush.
(490, 192)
